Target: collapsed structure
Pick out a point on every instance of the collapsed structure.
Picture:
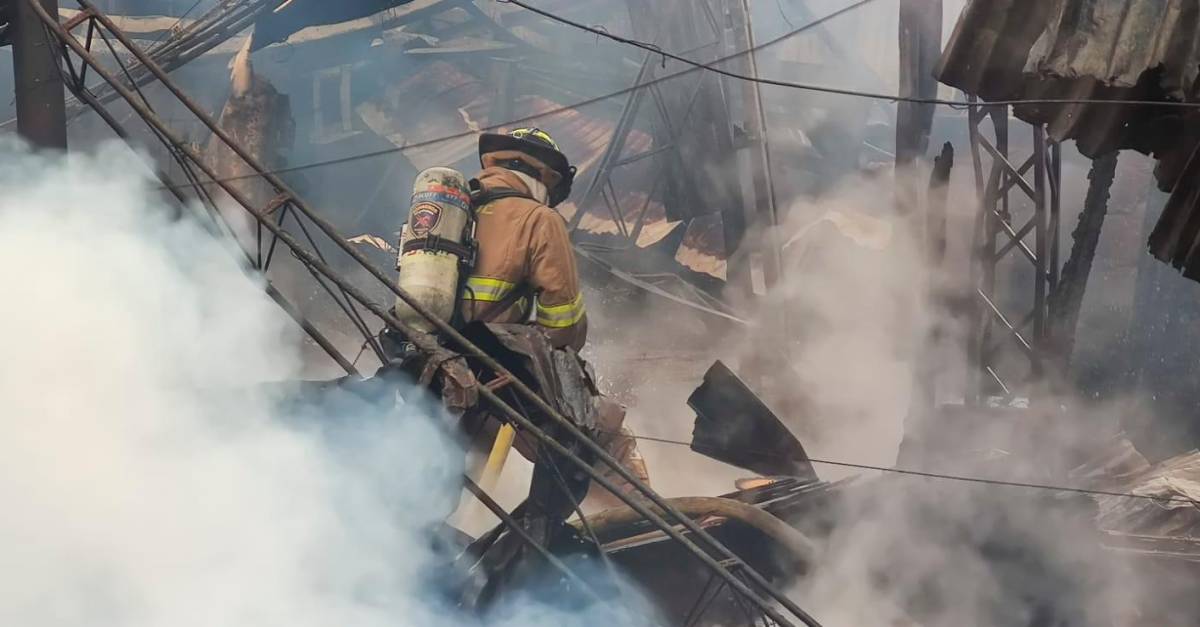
(650, 216)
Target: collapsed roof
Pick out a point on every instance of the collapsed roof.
(1146, 50)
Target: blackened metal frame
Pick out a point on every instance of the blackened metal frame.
(711, 552)
(1004, 191)
(601, 184)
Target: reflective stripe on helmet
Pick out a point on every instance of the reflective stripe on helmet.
(536, 133)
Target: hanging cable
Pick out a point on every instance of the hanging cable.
(947, 477)
(600, 32)
(557, 110)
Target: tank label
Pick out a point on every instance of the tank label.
(425, 217)
(444, 195)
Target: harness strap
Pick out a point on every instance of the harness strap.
(482, 197)
(479, 198)
(439, 244)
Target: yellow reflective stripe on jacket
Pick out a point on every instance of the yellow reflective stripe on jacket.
(485, 289)
(561, 316)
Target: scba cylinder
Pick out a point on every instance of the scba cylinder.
(433, 244)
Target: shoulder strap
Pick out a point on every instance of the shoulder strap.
(482, 197)
(479, 198)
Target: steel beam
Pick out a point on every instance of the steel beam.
(1000, 185)
(306, 325)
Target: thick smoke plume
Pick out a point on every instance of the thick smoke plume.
(920, 551)
(144, 481)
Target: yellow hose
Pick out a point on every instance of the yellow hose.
(497, 458)
(471, 512)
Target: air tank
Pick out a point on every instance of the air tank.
(433, 245)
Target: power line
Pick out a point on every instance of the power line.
(549, 112)
(946, 477)
(179, 21)
(600, 32)
(695, 67)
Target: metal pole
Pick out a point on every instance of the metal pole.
(427, 343)
(516, 528)
(1041, 252)
(41, 109)
(920, 46)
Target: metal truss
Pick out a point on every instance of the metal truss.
(751, 587)
(672, 126)
(736, 124)
(1010, 333)
(716, 605)
(75, 79)
(217, 25)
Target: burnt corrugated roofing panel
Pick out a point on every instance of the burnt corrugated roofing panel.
(1098, 49)
(1101, 50)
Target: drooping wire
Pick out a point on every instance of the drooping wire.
(154, 44)
(949, 477)
(696, 67)
(555, 110)
(823, 88)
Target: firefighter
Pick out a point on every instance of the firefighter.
(525, 266)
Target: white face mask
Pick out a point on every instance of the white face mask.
(536, 188)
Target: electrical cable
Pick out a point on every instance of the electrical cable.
(154, 44)
(600, 32)
(695, 67)
(947, 477)
(555, 110)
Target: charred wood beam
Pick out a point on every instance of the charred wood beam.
(920, 48)
(1174, 237)
(1067, 299)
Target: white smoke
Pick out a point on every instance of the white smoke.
(143, 482)
(947, 553)
(851, 292)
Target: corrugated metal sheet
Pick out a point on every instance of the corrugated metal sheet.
(439, 101)
(1105, 50)
(1101, 49)
(703, 247)
(582, 136)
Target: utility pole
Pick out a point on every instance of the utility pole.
(41, 111)
(761, 267)
(920, 46)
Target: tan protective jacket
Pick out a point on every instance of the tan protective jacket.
(523, 245)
